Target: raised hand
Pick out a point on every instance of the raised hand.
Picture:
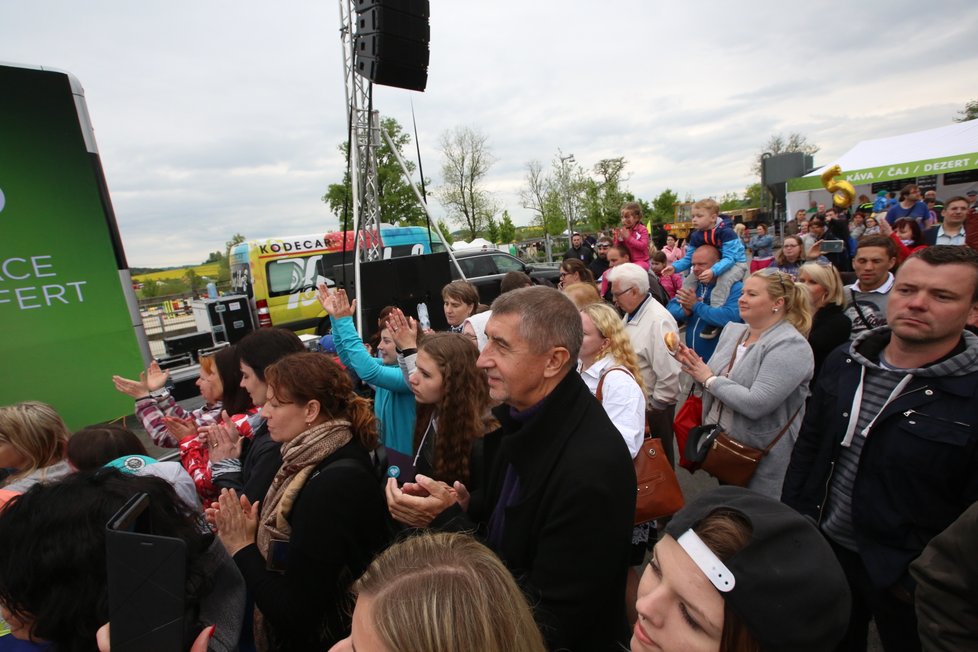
(404, 330)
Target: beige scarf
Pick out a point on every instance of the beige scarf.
(300, 457)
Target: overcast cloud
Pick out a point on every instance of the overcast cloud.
(214, 117)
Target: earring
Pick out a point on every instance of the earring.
(774, 309)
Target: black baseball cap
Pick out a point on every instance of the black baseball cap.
(785, 584)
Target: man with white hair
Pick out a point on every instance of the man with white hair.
(647, 322)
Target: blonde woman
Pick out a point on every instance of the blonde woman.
(440, 592)
(609, 361)
(757, 379)
(830, 325)
(33, 440)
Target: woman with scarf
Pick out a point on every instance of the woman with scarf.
(324, 517)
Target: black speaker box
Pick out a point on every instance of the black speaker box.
(391, 42)
(387, 73)
(402, 282)
(415, 7)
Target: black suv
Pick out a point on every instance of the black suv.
(485, 270)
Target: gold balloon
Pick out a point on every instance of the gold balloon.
(843, 192)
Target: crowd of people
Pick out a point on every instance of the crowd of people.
(475, 489)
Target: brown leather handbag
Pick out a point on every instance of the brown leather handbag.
(659, 493)
(733, 462)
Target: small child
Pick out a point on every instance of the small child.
(633, 234)
(670, 283)
(731, 267)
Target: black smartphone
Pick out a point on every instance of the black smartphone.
(146, 580)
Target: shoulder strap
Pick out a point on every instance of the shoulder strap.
(597, 393)
(783, 430)
(855, 304)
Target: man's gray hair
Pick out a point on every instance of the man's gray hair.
(630, 275)
(547, 318)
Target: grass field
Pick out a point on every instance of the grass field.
(208, 269)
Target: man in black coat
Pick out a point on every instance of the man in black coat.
(560, 494)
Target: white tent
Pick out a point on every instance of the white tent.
(945, 158)
(478, 243)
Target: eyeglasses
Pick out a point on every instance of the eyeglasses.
(604, 246)
(625, 291)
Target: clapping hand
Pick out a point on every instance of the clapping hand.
(335, 302)
(404, 330)
(223, 439)
(150, 380)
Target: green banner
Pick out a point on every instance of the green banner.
(64, 321)
(893, 172)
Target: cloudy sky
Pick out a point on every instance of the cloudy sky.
(214, 117)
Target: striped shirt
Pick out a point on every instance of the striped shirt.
(837, 517)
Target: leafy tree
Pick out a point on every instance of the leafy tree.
(730, 201)
(193, 279)
(398, 204)
(214, 257)
(969, 112)
(570, 184)
(662, 209)
(753, 196)
(445, 231)
(492, 231)
(507, 230)
(466, 165)
(603, 195)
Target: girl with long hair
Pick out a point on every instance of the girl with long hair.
(608, 362)
(830, 325)
(453, 405)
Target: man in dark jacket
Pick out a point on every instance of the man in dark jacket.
(887, 456)
(560, 494)
(580, 250)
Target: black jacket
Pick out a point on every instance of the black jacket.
(830, 328)
(567, 539)
(918, 470)
(260, 459)
(339, 522)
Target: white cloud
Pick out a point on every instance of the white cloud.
(220, 117)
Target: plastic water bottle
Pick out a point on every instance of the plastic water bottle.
(211, 290)
(424, 323)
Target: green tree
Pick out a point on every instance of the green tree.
(398, 203)
(507, 230)
(969, 112)
(193, 280)
(492, 231)
(730, 201)
(467, 159)
(753, 196)
(662, 209)
(445, 231)
(603, 195)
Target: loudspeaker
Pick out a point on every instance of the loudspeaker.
(781, 167)
(402, 282)
(391, 42)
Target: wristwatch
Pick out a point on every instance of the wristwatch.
(709, 382)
